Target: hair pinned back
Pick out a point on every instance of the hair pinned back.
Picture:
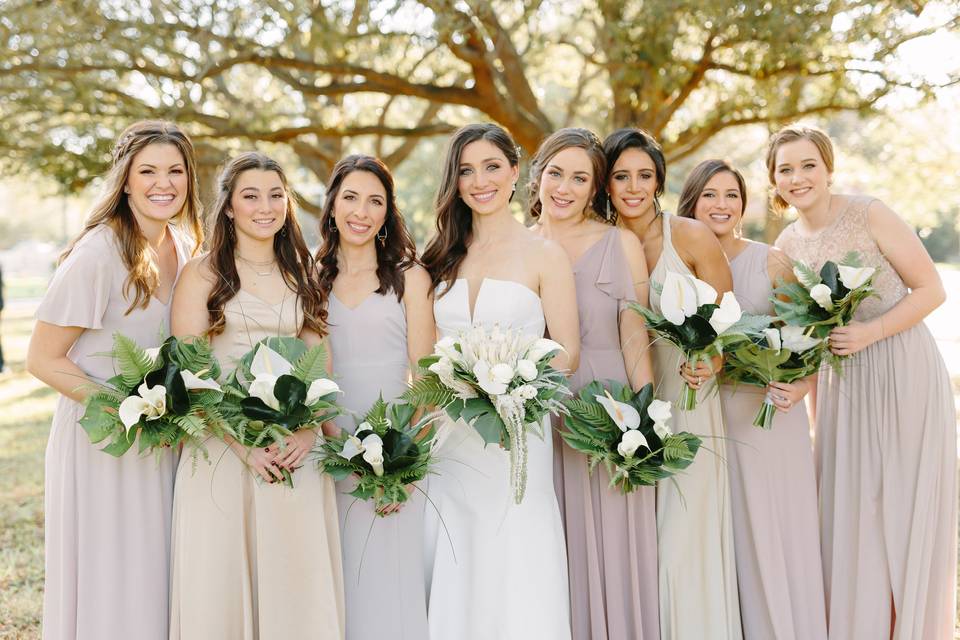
(559, 140)
(792, 133)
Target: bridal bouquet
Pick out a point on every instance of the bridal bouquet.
(784, 354)
(160, 397)
(498, 381)
(699, 327)
(628, 433)
(386, 453)
(278, 387)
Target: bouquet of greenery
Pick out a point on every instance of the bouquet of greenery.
(498, 381)
(822, 301)
(160, 397)
(278, 387)
(628, 433)
(784, 354)
(700, 328)
(386, 453)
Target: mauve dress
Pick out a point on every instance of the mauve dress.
(886, 453)
(773, 490)
(106, 519)
(611, 537)
(698, 576)
(382, 557)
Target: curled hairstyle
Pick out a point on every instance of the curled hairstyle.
(557, 142)
(632, 138)
(448, 247)
(293, 258)
(112, 207)
(394, 256)
(792, 133)
(697, 181)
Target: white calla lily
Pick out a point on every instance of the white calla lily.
(486, 379)
(659, 410)
(266, 361)
(153, 353)
(502, 373)
(262, 387)
(319, 388)
(795, 340)
(151, 402)
(527, 369)
(682, 295)
(373, 452)
(446, 347)
(853, 277)
(630, 442)
(624, 415)
(773, 338)
(351, 447)
(822, 296)
(540, 348)
(727, 314)
(194, 382)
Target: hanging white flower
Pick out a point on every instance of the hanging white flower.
(541, 347)
(795, 340)
(631, 441)
(822, 295)
(194, 382)
(351, 447)
(267, 361)
(486, 379)
(150, 403)
(773, 338)
(319, 388)
(624, 415)
(727, 314)
(527, 369)
(682, 295)
(262, 387)
(853, 277)
(373, 452)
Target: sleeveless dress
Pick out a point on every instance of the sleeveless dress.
(698, 581)
(252, 560)
(773, 490)
(106, 519)
(887, 462)
(495, 570)
(382, 557)
(611, 537)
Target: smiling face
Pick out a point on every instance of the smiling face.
(157, 184)
(567, 184)
(720, 205)
(801, 175)
(633, 183)
(258, 204)
(486, 179)
(360, 208)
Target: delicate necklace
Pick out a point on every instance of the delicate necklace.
(272, 263)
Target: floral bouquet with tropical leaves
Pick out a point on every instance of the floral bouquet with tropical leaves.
(700, 328)
(784, 354)
(498, 381)
(821, 301)
(628, 433)
(160, 397)
(387, 452)
(278, 387)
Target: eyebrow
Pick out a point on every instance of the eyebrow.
(585, 173)
(147, 165)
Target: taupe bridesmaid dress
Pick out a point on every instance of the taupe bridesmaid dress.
(106, 519)
(611, 537)
(382, 557)
(698, 581)
(774, 494)
(886, 453)
(252, 560)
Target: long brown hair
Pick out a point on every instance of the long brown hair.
(792, 133)
(632, 138)
(395, 254)
(697, 181)
(112, 207)
(448, 247)
(557, 142)
(293, 258)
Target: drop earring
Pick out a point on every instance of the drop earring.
(382, 238)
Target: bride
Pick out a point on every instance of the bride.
(495, 569)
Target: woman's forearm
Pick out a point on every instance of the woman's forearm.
(910, 311)
(63, 375)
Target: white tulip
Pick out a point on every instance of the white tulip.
(486, 379)
(795, 340)
(630, 442)
(194, 382)
(527, 369)
(373, 453)
(727, 314)
(682, 295)
(822, 295)
(541, 347)
(319, 388)
(624, 415)
(150, 403)
(262, 387)
(853, 277)
(267, 361)
(351, 447)
(773, 338)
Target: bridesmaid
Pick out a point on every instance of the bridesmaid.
(611, 537)
(107, 519)
(886, 427)
(697, 574)
(381, 323)
(253, 560)
(772, 483)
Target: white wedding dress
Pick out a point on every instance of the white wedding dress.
(495, 570)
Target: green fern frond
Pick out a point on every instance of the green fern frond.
(132, 362)
(312, 365)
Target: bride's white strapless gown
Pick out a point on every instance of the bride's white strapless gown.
(502, 573)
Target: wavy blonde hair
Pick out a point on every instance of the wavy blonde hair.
(112, 207)
(792, 133)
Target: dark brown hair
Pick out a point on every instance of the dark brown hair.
(697, 181)
(293, 258)
(448, 247)
(792, 133)
(112, 207)
(395, 254)
(632, 138)
(557, 142)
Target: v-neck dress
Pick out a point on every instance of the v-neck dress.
(382, 556)
(106, 519)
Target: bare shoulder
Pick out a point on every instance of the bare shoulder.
(629, 241)
(416, 280)
(690, 231)
(544, 249)
(197, 274)
(878, 213)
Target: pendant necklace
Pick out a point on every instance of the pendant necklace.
(254, 265)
